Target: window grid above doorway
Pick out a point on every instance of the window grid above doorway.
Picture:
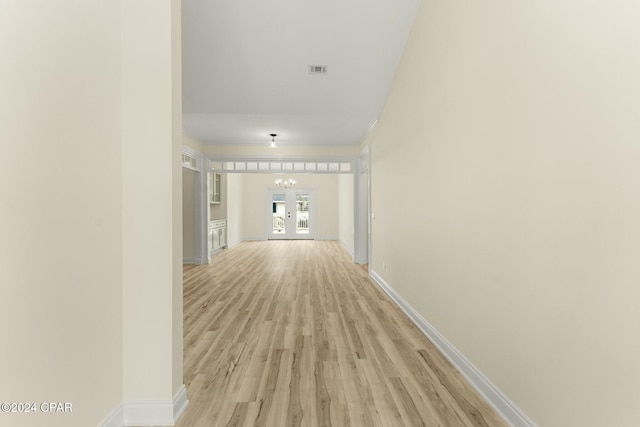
(266, 166)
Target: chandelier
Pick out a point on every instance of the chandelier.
(286, 183)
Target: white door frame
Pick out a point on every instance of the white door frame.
(193, 160)
(290, 199)
(362, 209)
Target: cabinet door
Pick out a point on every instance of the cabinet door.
(223, 237)
(216, 239)
(211, 187)
(216, 188)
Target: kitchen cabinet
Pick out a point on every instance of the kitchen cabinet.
(217, 235)
(214, 188)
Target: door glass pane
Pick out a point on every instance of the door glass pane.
(278, 209)
(302, 213)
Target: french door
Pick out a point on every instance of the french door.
(291, 214)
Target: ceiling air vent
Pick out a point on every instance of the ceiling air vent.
(318, 69)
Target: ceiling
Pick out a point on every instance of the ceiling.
(246, 68)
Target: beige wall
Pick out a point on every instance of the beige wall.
(505, 186)
(61, 205)
(266, 151)
(188, 213)
(234, 208)
(345, 211)
(254, 203)
(192, 143)
(91, 234)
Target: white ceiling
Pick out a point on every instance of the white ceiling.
(246, 68)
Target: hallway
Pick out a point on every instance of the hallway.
(287, 333)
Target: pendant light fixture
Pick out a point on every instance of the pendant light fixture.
(273, 140)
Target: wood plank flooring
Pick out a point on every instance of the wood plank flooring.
(292, 333)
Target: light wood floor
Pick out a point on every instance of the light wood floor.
(292, 333)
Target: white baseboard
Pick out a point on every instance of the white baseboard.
(361, 260)
(114, 419)
(326, 238)
(180, 402)
(346, 248)
(234, 243)
(196, 261)
(148, 413)
(490, 392)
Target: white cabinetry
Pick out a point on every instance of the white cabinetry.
(214, 188)
(217, 235)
